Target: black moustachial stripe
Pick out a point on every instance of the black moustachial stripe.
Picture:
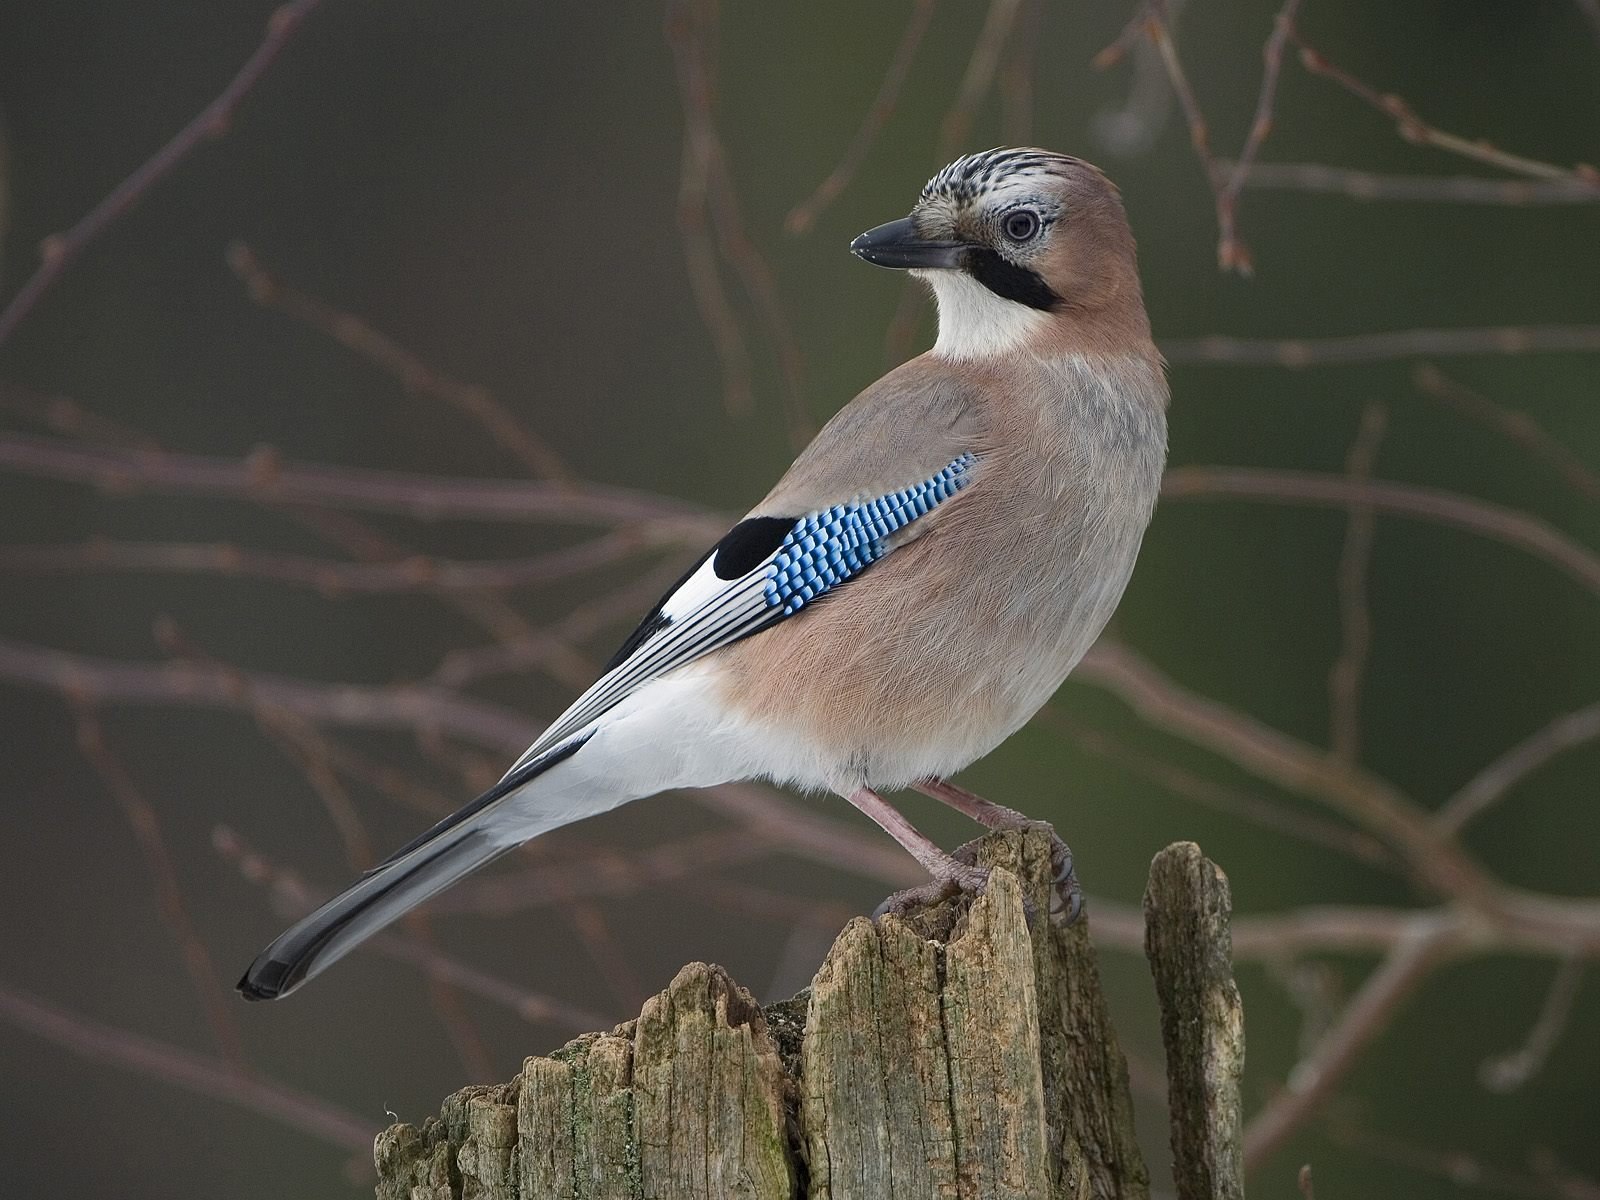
(1010, 281)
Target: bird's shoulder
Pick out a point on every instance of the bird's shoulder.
(905, 427)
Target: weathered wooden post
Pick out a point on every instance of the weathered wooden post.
(961, 1052)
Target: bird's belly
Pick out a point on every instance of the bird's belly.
(898, 678)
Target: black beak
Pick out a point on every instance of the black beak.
(897, 245)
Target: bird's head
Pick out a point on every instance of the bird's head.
(1025, 250)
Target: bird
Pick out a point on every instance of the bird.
(916, 586)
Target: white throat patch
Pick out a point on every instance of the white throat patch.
(974, 322)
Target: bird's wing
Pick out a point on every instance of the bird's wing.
(765, 570)
(901, 447)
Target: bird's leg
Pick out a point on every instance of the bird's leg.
(949, 875)
(1066, 902)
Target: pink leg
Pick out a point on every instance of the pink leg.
(946, 871)
(985, 812)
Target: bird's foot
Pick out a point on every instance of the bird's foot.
(1066, 896)
(964, 876)
(954, 878)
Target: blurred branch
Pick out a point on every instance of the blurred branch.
(185, 684)
(1546, 1179)
(1364, 1019)
(1355, 613)
(1517, 427)
(1426, 189)
(1414, 129)
(978, 79)
(1509, 1072)
(264, 477)
(196, 1073)
(707, 193)
(58, 251)
(1383, 347)
(1231, 252)
(1509, 526)
(332, 578)
(1281, 818)
(146, 826)
(1516, 764)
(1436, 861)
(804, 215)
(415, 376)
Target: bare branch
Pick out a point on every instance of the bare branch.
(1517, 427)
(1426, 189)
(1355, 616)
(1439, 863)
(1363, 1021)
(1513, 528)
(358, 336)
(1511, 1071)
(60, 250)
(1498, 778)
(1232, 254)
(266, 478)
(804, 215)
(401, 706)
(146, 826)
(1383, 347)
(979, 76)
(1414, 129)
(197, 1073)
(333, 578)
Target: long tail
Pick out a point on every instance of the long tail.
(451, 850)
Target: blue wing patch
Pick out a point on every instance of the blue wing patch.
(827, 548)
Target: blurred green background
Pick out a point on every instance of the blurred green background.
(495, 185)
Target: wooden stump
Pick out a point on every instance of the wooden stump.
(962, 1053)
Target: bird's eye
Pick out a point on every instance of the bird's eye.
(1021, 225)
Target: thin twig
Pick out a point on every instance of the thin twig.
(1355, 613)
(1511, 1071)
(804, 215)
(1384, 347)
(1509, 526)
(401, 706)
(146, 825)
(1233, 254)
(197, 1073)
(1437, 862)
(333, 578)
(264, 477)
(1497, 779)
(1461, 1168)
(358, 335)
(1414, 129)
(1281, 818)
(60, 250)
(1159, 29)
(707, 190)
(978, 78)
(1364, 1019)
(1518, 427)
(1427, 189)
